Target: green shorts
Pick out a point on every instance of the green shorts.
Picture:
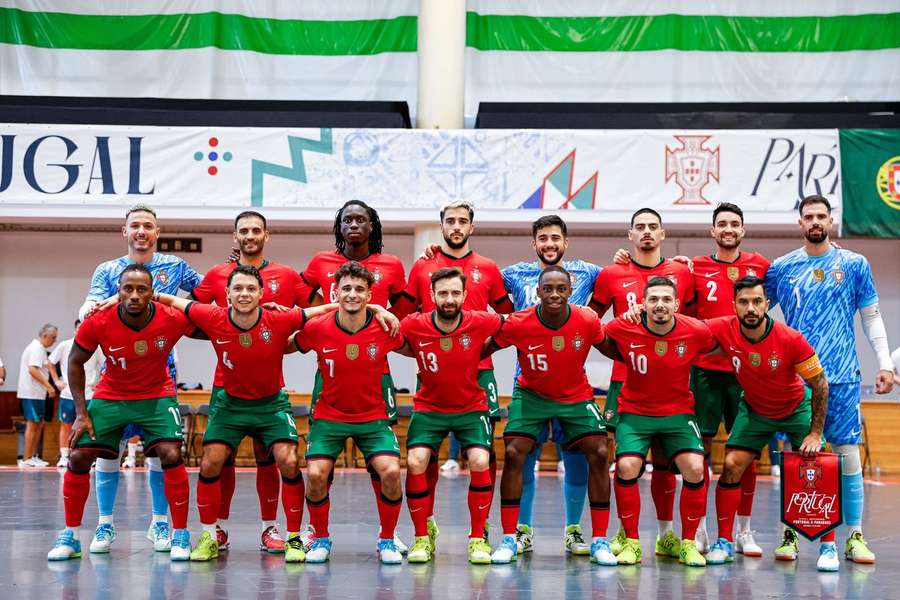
(611, 406)
(427, 428)
(159, 417)
(717, 396)
(269, 420)
(373, 438)
(488, 383)
(752, 431)
(213, 394)
(529, 414)
(388, 392)
(676, 433)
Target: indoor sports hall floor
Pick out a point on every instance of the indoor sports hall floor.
(31, 509)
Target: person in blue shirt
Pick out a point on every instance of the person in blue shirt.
(550, 242)
(820, 289)
(170, 274)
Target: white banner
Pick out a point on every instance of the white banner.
(596, 176)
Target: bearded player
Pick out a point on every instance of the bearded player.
(553, 341)
(820, 289)
(771, 362)
(484, 288)
(621, 286)
(446, 343)
(170, 274)
(351, 350)
(136, 336)
(281, 285)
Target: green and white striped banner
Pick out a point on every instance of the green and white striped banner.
(522, 50)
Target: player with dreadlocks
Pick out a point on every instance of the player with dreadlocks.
(357, 237)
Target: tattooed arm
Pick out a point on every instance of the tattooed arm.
(813, 441)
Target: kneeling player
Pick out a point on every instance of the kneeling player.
(446, 344)
(136, 336)
(249, 343)
(352, 351)
(771, 362)
(553, 340)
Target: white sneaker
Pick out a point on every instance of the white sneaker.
(129, 462)
(320, 551)
(36, 461)
(450, 465)
(505, 552)
(561, 467)
(307, 538)
(828, 559)
(776, 473)
(62, 462)
(702, 540)
(746, 545)
(401, 547)
(21, 463)
(159, 535)
(388, 553)
(104, 536)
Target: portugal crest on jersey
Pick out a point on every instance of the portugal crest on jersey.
(141, 347)
(681, 349)
(465, 340)
(755, 359)
(838, 277)
(558, 342)
(377, 274)
(372, 351)
(446, 344)
(577, 342)
(661, 348)
(733, 273)
(352, 351)
(162, 277)
(475, 275)
(774, 361)
(273, 286)
(245, 340)
(160, 342)
(266, 335)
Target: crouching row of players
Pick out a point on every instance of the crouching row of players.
(352, 339)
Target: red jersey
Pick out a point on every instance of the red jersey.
(351, 365)
(484, 284)
(713, 284)
(552, 360)
(135, 358)
(250, 360)
(281, 284)
(448, 362)
(657, 383)
(623, 285)
(386, 268)
(771, 370)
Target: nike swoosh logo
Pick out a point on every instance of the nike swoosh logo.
(182, 503)
(327, 350)
(423, 344)
(637, 345)
(484, 507)
(711, 274)
(331, 274)
(271, 500)
(629, 284)
(412, 510)
(218, 341)
(295, 510)
(854, 433)
(733, 349)
(530, 347)
(628, 516)
(116, 349)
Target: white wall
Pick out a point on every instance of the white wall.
(44, 277)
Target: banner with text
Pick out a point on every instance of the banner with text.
(811, 493)
(601, 175)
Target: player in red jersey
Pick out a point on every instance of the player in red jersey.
(358, 237)
(136, 336)
(351, 353)
(553, 340)
(771, 362)
(621, 286)
(284, 286)
(484, 287)
(716, 391)
(446, 343)
(659, 349)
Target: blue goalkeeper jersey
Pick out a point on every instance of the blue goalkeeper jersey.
(521, 280)
(819, 296)
(170, 274)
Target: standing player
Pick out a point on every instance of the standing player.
(170, 274)
(553, 340)
(484, 287)
(621, 286)
(549, 238)
(249, 343)
(820, 289)
(33, 388)
(136, 336)
(281, 285)
(655, 401)
(352, 353)
(358, 237)
(446, 343)
(771, 362)
(717, 393)
(66, 412)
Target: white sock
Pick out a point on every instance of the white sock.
(851, 529)
(664, 526)
(743, 523)
(105, 519)
(222, 523)
(64, 452)
(76, 531)
(211, 529)
(132, 450)
(160, 519)
(701, 525)
(267, 524)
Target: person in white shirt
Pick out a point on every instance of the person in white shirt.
(895, 357)
(2, 372)
(33, 388)
(66, 411)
